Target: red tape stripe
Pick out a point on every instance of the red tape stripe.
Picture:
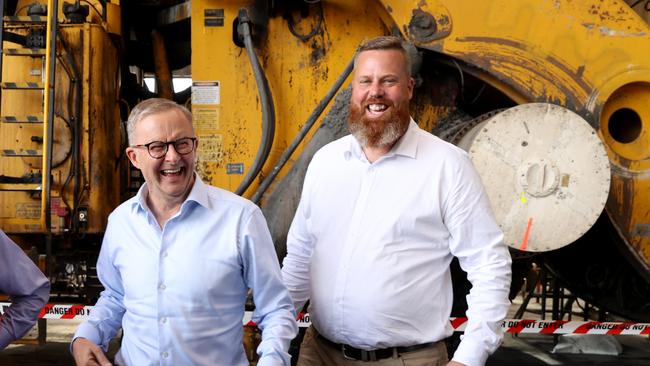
(72, 312)
(619, 328)
(456, 323)
(585, 328)
(44, 310)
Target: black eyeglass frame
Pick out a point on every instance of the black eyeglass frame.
(167, 143)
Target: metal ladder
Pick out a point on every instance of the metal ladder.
(31, 182)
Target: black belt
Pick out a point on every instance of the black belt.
(357, 354)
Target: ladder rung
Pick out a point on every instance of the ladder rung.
(20, 186)
(22, 85)
(33, 52)
(21, 153)
(22, 119)
(31, 19)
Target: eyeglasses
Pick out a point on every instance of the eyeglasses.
(158, 149)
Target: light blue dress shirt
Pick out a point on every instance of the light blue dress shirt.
(179, 292)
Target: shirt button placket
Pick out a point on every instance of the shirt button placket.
(163, 327)
(351, 246)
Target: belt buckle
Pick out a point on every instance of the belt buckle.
(345, 355)
(365, 355)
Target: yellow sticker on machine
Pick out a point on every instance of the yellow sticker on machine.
(206, 118)
(210, 147)
(28, 210)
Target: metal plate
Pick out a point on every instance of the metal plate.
(546, 172)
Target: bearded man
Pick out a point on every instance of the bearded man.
(383, 211)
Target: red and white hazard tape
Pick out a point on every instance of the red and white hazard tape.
(516, 326)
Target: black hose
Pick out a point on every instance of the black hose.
(14, 38)
(266, 100)
(303, 132)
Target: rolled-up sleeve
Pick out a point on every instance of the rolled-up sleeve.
(27, 288)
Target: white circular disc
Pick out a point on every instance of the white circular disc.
(545, 171)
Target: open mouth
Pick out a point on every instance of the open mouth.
(172, 172)
(376, 108)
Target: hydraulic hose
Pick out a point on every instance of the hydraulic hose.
(266, 99)
(303, 132)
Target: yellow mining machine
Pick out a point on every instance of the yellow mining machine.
(549, 97)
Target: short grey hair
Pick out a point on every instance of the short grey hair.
(151, 106)
(385, 43)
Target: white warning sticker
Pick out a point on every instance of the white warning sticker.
(206, 92)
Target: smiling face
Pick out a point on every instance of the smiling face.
(170, 178)
(381, 91)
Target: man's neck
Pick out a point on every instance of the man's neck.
(163, 211)
(373, 153)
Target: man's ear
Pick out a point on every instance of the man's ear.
(133, 157)
(411, 85)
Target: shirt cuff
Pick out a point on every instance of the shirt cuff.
(269, 361)
(88, 331)
(470, 353)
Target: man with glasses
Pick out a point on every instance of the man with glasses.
(178, 259)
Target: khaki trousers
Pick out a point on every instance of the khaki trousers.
(315, 352)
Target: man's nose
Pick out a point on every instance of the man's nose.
(172, 154)
(376, 90)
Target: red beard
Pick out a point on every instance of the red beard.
(380, 131)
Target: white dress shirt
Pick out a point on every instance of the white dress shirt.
(371, 244)
(179, 292)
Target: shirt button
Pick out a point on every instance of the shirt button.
(162, 286)
(165, 354)
(165, 254)
(163, 320)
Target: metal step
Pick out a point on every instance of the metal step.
(20, 187)
(33, 52)
(22, 119)
(22, 153)
(31, 19)
(22, 85)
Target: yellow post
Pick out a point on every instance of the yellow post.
(50, 49)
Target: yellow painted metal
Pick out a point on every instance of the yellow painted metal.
(590, 56)
(163, 74)
(103, 163)
(20, 187)
(572, 53)
(113, 17)
(628, 112)
(100, 165)
(299, 75)
(20, 210)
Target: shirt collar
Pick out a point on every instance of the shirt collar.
(198, 194)
(406, 146)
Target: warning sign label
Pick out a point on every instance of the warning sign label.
(206, 92)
